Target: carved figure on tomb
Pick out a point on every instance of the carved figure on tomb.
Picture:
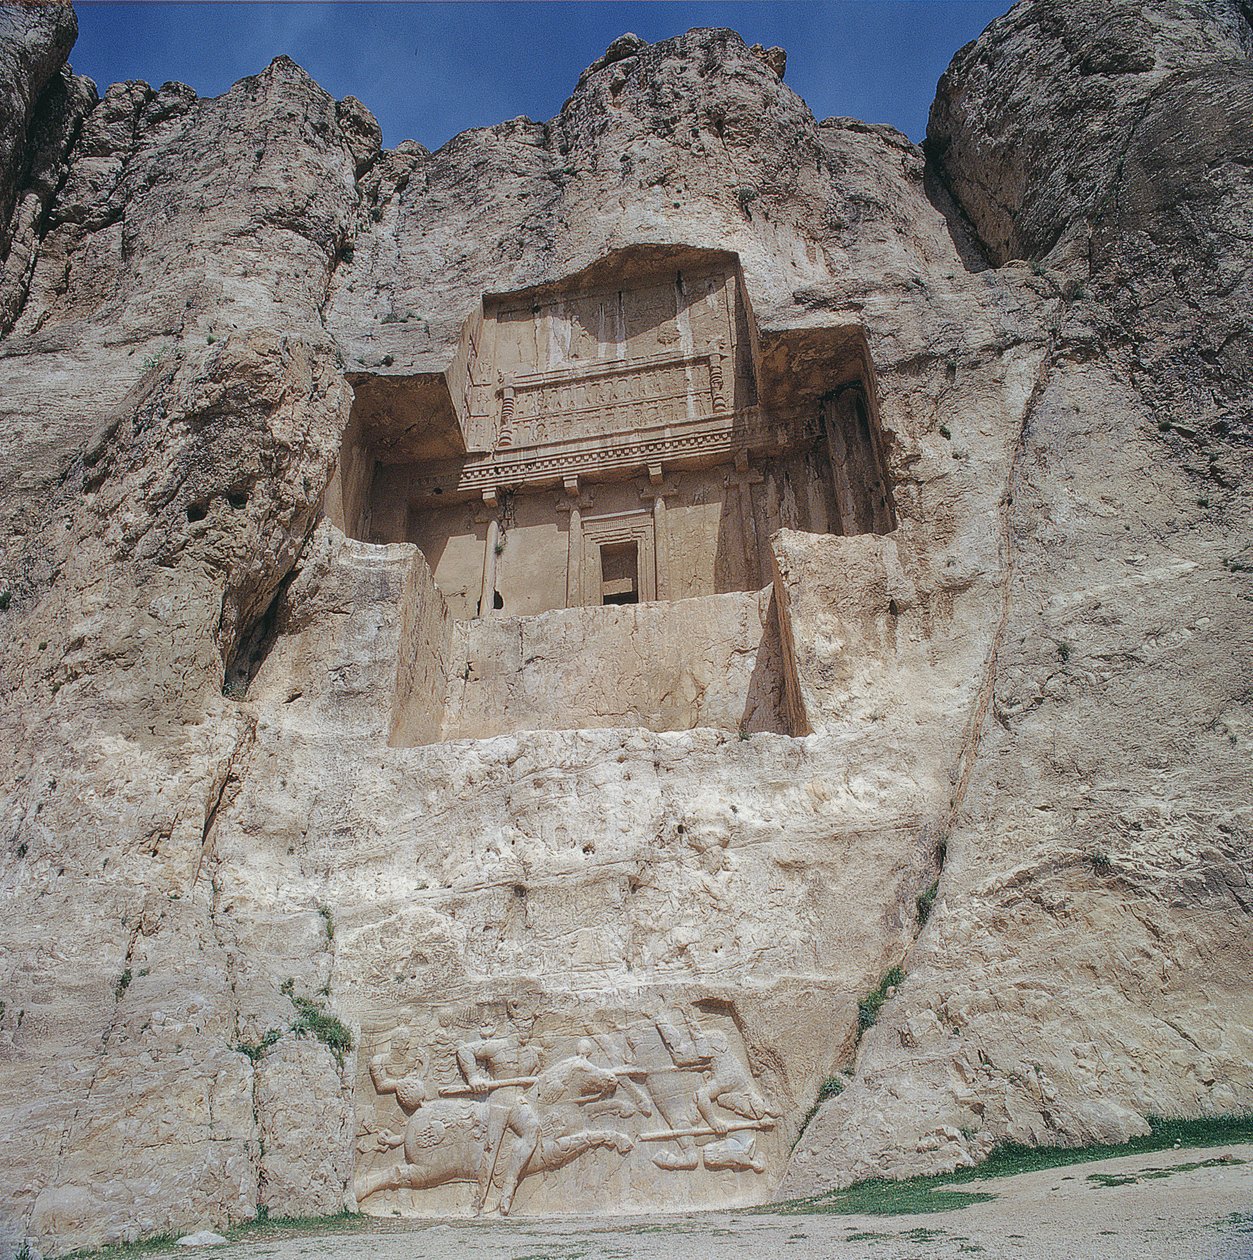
(513, 1108)
(631, 1097)
(736, 1151)
(547, 1125)
(728, 1084)
(491, 1059)
(444, 1140)
(493, 1066)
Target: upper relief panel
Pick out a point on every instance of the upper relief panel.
(630, 346)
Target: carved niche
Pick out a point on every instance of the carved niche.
(480, 1114)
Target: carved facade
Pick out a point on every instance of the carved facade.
(571, 527)
(624, 437)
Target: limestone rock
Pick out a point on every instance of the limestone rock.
(326, 881)
(34, 43)
(1030, 121)
(775, 58)
(1068, 906)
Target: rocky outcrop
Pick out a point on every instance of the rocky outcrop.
(45, 105)
(1080, 970)
(173, 408)
(1026, 702)
(1032, 122)
(34, 45)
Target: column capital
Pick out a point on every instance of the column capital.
(659, 490)
(579, 504)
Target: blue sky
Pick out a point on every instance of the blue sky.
(430, 70)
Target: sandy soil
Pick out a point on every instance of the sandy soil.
(1070, 1213)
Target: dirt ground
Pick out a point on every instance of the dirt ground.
(1160, 1206)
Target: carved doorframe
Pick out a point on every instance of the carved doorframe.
(618, 527)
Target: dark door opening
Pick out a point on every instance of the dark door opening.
(620, 573)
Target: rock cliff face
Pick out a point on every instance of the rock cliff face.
(266, 928)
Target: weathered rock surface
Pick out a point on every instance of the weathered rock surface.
(1082, 969)
(35, 44)
(1033, 689)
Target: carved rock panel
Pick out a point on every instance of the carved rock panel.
(498, 1110)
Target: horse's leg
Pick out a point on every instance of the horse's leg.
(525, 1126)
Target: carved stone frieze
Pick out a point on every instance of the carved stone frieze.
(705, 439)
(480, 1113)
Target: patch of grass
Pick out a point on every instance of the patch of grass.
(263, 1229)
(328, 921)
(829, 1088)
(123, 983)
(1155, 1174)
(146, 1247)
(915, 1197)
(255, 1049)
(1100, 860)
(1236, 1223)
(1063, 652)
(267, 1226)
(311, 1020)
(868, 1007)
(930, 1194)
(926, 902)
(946, 433)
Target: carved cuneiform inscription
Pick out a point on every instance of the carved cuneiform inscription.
(497, 1104)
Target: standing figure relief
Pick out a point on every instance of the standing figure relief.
(517, 1107)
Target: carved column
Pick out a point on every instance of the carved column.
(504, 435)
(657, 490)
(488, 513)
(717, 386)
(574, 503)
(743, 480)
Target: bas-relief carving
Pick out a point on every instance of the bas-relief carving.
(601, 399)
(558, 1107)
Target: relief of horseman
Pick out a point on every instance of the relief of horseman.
(545, 1127)
(726, 1083)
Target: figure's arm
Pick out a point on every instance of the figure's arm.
(468, 1064)
(383, 1084)
(706, 1096)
